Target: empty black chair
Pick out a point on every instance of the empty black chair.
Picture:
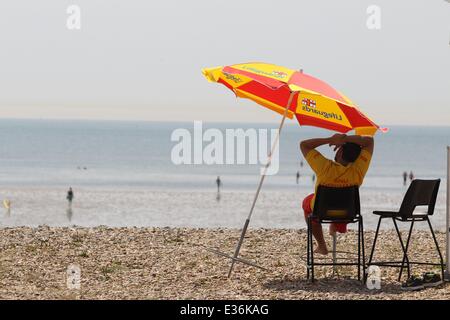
(336, 205)
(419, 193)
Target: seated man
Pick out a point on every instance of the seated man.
(349, 167)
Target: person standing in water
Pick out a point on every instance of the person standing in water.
(411, 176)
(219, 184)
(405, 177)
(298, 176)
(70, 197)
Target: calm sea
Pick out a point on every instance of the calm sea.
(122, 175)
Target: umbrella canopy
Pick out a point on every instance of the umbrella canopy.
(314, 102)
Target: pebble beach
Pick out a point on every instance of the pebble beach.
(178, 263)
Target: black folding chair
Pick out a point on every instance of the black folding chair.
(336, 205)
(419, 193)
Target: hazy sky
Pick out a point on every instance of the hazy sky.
(137, 59)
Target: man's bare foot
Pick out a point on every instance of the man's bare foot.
(321, 250)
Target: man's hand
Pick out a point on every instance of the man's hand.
(365, 142)
(337, 140)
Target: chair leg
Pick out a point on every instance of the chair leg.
(308, 262)
(311, 241)
(405, 255)
(311, 248)
(359, 249)
(375, 241)
(437, 247)
(363, 250)
(403, 246)
(334, 253)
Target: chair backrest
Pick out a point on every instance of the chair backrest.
(337, 204)
(420, 193)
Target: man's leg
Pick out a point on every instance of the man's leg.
(338, 227)
(318, 235)
(316, 227)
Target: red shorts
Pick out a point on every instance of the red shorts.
(306, 205)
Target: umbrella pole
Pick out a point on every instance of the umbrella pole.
(269, 161)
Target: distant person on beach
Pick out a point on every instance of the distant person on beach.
(301, 163)
(219, 184)
(351, 162)
(405, 177)
(313, 177)
(70, 197)
(411, 176)
(298, 176)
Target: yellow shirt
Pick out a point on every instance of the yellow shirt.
(333, 174)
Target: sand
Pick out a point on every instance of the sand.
(172, 263)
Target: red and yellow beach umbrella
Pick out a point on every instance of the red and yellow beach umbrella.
(290, 93)
(312, 101)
